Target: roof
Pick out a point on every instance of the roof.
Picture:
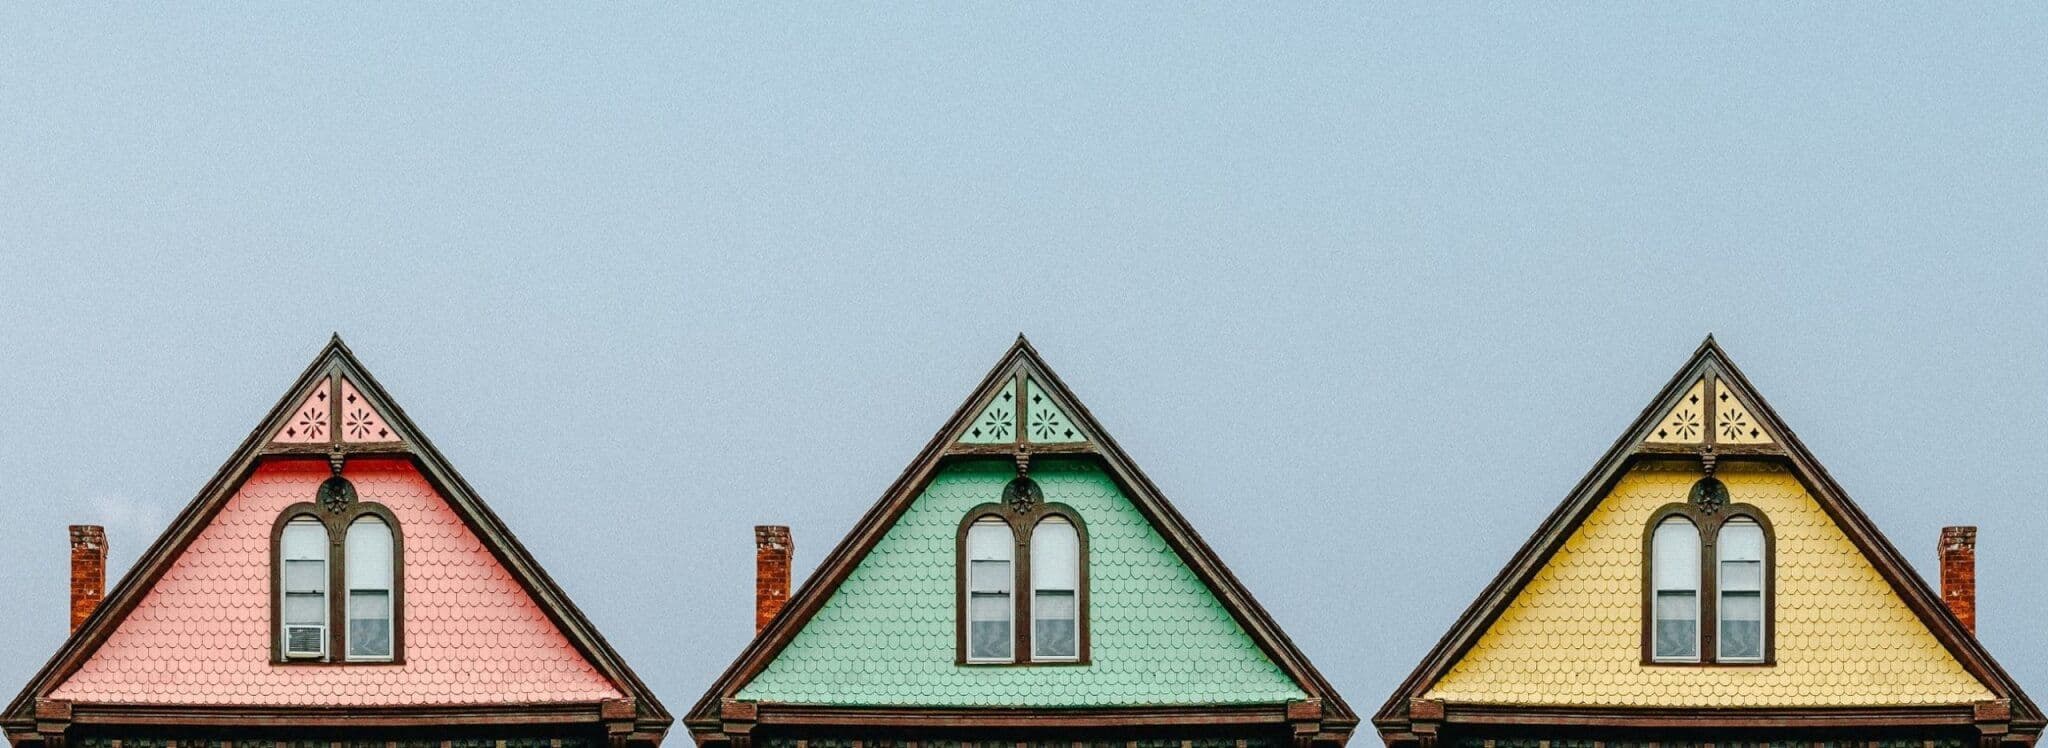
(202, 633)
(178, 628)
(1157, 636)
(1745, 435)
(1084, 465)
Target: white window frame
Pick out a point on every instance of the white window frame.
(1762, 591)
(351, 554)
(312, 531)
(1684, 531)
(1072, 585)
(999, 544)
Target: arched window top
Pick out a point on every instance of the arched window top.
(1023, 578)
(337, 579)
(1707, 581)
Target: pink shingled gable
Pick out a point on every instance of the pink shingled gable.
(202, 634)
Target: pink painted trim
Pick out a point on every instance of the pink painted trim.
(360, 421)
(308, 423)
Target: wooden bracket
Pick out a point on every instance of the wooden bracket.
(53, 718)
(737, 720)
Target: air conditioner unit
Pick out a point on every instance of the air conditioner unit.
(305, 641)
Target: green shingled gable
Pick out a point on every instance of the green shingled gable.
(886, 635)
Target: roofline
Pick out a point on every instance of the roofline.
(1584, 497)
(1144, 494)
(198, 514)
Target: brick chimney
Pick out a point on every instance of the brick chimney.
(772, 548)
(88, 571)
(1959, 573)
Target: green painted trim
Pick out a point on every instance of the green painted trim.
(1044, 421)
(997, 421)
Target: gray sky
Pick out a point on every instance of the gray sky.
(1365, 290)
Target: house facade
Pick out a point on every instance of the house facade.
(1708, 584)
(1021, 582)
(337, 583)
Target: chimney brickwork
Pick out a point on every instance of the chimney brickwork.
(88, 571)
(772, 549)
(1959, 573)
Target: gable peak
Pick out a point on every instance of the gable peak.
(335, 403)
(1709, 406)
(1020, 406)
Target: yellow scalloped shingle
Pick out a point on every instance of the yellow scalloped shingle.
(1573, 636)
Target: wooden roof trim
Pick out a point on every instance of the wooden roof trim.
(1536, 551)
(335, 357)
(868, 530)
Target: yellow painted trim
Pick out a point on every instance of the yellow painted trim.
(1686, 421)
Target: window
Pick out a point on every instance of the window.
(1741, 585)
(305, 587)
(1023, 581)
(989, 632)
(1707, 590)
(336, 543)
(1675, 567)
(368, 551)
(1055, 587)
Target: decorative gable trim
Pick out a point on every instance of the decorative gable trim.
(719, 716)
(1755, 432)
(337, 373)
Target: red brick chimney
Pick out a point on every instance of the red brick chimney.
(1959, 573)
(772, 548)
(88, 570)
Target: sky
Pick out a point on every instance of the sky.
(1364, 288)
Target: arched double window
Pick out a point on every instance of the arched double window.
(1023, 581)
(1707, 581)
(336, 572)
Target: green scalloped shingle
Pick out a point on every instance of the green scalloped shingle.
(1159, 635)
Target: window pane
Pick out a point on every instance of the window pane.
(1677, 625)
(990, 539)
(1742, 628)
(1742, 539)
(369, 554)
(305, 609)
(1742, 576)
(369, 623)
(304, 538)
(305, 576)
(988, 627)
(1675, 555)
(1055, 555)
(1053, 626)
(989, 576)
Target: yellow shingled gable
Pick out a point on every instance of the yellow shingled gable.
(1573, 636)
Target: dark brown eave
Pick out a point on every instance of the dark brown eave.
(818, 715)
(199, 512)
(1393, 718)
(1664, 717)
(203, 715)
(704, 716)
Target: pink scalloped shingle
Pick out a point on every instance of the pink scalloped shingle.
(201, 635)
